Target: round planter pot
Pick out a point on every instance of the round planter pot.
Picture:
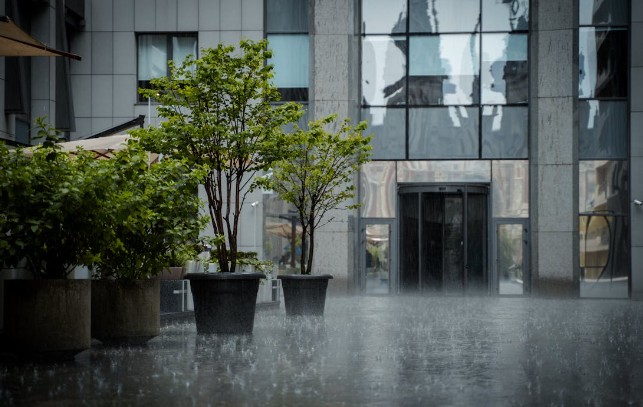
(304, 294)
(224, 303)
(47, 319)
(126, 312)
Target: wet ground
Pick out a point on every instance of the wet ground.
(367, 351)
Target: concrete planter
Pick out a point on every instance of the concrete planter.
(125, 312)
(47, 319)
(224, 303)
(304, 294)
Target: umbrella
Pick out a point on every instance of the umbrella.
(16, 43)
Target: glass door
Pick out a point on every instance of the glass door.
(511, 257)
(376, 257)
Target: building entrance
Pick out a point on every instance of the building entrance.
(443, 239)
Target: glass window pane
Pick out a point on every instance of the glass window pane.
(510, 257)
(377, 188)
(603, 12)
(504, 71)
(602, 186)
(377, 258)
(152, 57)
(286, 16)
(504, 132)
(510, 184)
(182, 47)
(603, 130)
(603, 59)
(290, 59)
(444, 171)
(389, 132)
(505, 15)
(440, 16)
(383, 16)
(444, 132)
(384, 70)
(444, 70)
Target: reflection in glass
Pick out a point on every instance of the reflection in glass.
(504, 71)
(377, 258)
(286, 16)
(440, 16)
(510, 259)
(603, 186)
(383, 16)
(603, 59)
(281, 232)
(603, 130)
(444, 171)
(504, 132)
(377, 189)
(388, 127)
(409, 243)
(443, 132)
(290, 60)
(505, 15)
(603, 12)
(604, 255)
(383, 70)
(510, 185)
(444, 69)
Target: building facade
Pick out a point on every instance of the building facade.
(507, 148)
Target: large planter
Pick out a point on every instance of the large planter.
(304, 294)
(224, 303)
(47, 319)
(126, 312)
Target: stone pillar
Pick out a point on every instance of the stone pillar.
(553, 147)
(636, 146)
(43, 69)
(334, 73)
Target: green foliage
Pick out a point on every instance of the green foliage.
(51, 207)
(220, 117)
(317, 174)
(153, 216)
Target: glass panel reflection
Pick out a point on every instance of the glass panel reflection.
(377, 188)
(378, 258)
(383, 16)
(602, 186)
(603, 59)
(510, 259)
(409, 242)
(444, 171)
(290, 59)
(444, 70)
(505, 15)
(384, 70)
(504, 132)
(440, 16)
(603, 130)
(510, 189)
(504, 72)
(286, 16)
(603, 12)
(445, 132)
(388, 127)
(281, 232)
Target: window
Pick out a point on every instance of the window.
(287, 33)
(155, 50)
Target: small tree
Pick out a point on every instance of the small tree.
(221, 117)
(317, 175)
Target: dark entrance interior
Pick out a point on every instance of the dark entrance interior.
(443, 239)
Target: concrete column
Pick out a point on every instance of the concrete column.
(636, 146)
(43, 69)
(334, 67)
(553, 147)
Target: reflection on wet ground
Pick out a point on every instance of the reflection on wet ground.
(368, 351)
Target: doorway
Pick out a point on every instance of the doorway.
(443, 239)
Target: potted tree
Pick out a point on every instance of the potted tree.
(153, 214)
(316, 176)
(221, 117)
(50, 223)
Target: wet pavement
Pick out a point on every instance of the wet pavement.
(367, 351)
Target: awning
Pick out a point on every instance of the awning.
(16, 43)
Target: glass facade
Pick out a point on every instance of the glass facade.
(603, 148)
